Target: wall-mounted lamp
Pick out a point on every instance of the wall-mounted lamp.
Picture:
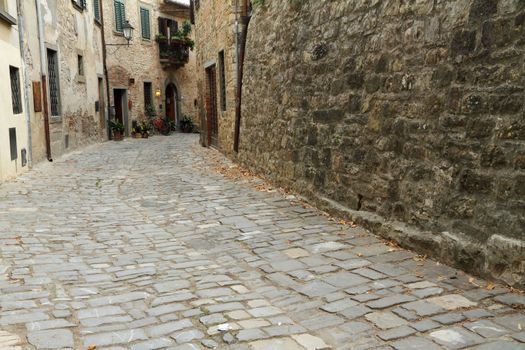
(157, 93)
(127, 30)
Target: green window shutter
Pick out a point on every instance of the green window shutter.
(84, 4)
(120, 15)
(144, 23)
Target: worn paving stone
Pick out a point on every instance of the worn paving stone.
(456, 338)
(106, 256)
(385, 320)
(51, 339)
(415, 343)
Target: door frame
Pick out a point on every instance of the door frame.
(212, 114)
(175, 100)
(125, 109)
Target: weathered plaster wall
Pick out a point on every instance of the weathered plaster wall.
(406, 116)
(140, 62)
(10, 56)
(70, 32)
(215, 31)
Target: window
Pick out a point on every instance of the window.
(168, 27)
(120, 15)
(96, 10)
(4, 15)
(12, 143)
(148, 95)
(79, 4)
(54, 87)
(222, 81)
(80, 65)
(15, 90)
(144, 23)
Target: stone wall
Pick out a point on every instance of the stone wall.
(70, 31)
(405, 116)
(129, 67)
(215, 30)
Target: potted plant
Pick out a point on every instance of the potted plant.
(117, 129)
(144, 129)
(186, 124)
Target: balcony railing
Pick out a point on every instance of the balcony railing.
(173, 53)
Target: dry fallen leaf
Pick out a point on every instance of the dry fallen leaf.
(92, 347)
(490, 286)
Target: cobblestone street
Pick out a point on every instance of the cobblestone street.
(142, 244)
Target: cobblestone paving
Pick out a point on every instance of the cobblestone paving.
(142, 245)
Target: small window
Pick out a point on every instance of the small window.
(80, 64)
(54, 87)
(16, 99)
(148, 96)
(12, 143)
(80, 4)
(145, 24)
(222, 78)
(4, 14)
(120, 15)
(96, 10)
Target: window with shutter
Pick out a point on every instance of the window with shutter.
(144, 23)
(120, 15)
(15, 90)
(96, 10)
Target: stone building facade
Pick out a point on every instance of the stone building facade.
(405, 116)
(63, 57)
(216, 28)
(14, 143)
(138, 75)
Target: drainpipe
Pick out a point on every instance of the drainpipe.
(43, 71)
(26, 83)
(245, 21)
(106, 75)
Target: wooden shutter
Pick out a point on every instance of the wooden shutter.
(174, 27)
(144, 22)
(163, 26)
(120, 15)
(83, 4)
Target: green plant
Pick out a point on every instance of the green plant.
(150, 111)
(116, 126)
(186, 123)
(160, 37)
(183, 35)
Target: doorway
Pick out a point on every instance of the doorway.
(121, 108)
(212, 123)
(101, 106)
(171, 103)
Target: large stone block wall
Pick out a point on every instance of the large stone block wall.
(405, 116)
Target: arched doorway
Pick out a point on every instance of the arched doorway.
(171, 103)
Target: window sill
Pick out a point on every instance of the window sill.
(98, 22)
(56, 119)
(6, 17)
(81, 79)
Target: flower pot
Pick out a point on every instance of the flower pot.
(118, 136)
(145, 135)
